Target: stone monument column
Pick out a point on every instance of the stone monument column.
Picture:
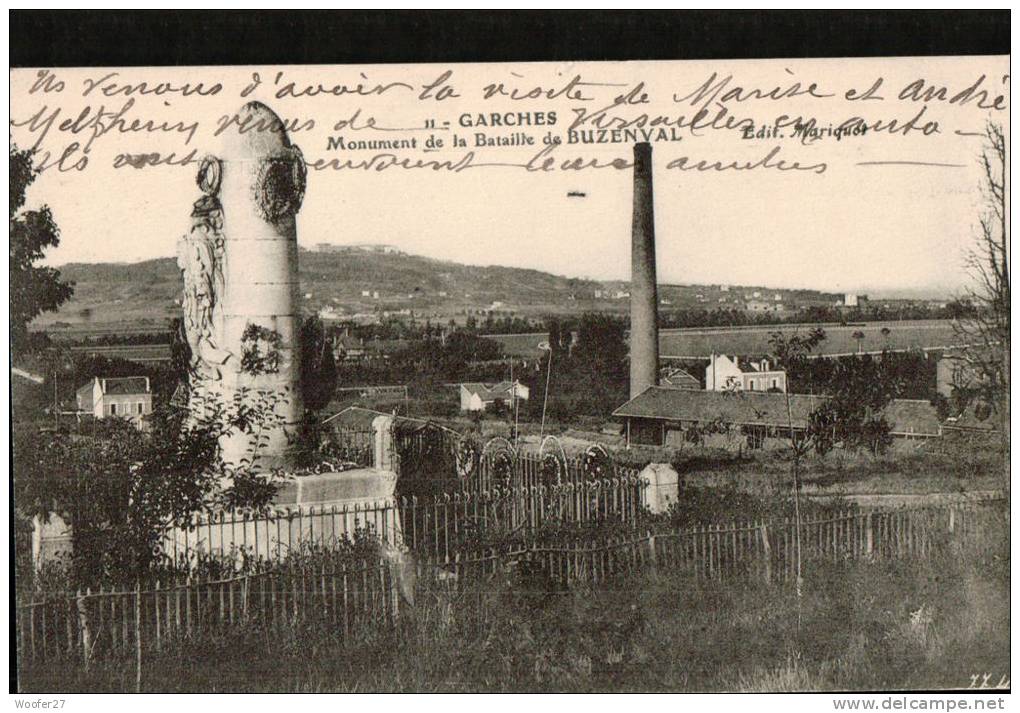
(242, 313)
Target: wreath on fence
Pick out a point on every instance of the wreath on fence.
(502, 469)
(550, 470)
(467, 458)
(596, 464)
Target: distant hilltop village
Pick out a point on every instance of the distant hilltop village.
(359, 247)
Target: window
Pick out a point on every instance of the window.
(113, 409)
(139, 406)
(750, 384)
(775, 383)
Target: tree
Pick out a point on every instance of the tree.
(119, 488)
(790, 351)
(559, 339)
(886, 332)
(601, 348)
(318, 368)
(986, 333)
(34, 289)
(860, 389)
(180, 351)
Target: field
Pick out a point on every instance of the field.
(699, 343)
(884, 624)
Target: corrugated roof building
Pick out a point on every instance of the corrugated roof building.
(658, 415)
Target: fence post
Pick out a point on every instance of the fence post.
(767, 551)
(155, 610)
(870, 547)
(138, 636)
(83, 621)
(68, 616)
(652, 559)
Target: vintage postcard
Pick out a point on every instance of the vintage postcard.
(681, 376)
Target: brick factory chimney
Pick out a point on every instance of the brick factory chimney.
(644, 326)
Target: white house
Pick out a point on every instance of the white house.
(126, 397)
(479, 397)
(733, 374)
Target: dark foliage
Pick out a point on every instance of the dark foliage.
(34, 289)
(318, 368)
(860, 389)
(119, 487)
(588, 377)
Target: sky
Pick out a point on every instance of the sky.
(889, 211)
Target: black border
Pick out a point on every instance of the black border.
(48, 38)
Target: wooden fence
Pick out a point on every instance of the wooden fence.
(118, 623)
(436, 526)
(347, 596)
(763, 549)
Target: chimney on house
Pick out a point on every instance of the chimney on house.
(644, 303)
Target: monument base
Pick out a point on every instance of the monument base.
(366, 487)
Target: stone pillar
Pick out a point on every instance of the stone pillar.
(242, 313)
(663, 486)
(262, 189)
(382, 457)
(51, 539)
(644, 328)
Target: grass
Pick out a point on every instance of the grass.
(858, 626)
(957, 467)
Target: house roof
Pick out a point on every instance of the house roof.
(349, 342)
(181, 395)
(125, 385)
(763, 408)
(359, 418)
(677, 374)
(913, 416)
(489, 392)
(751, 363)
(975, 417)
(355, 418)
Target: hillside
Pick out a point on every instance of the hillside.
(364, 282)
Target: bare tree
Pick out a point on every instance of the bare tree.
(986, 334)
